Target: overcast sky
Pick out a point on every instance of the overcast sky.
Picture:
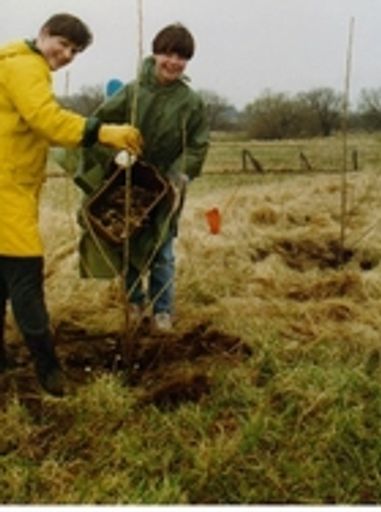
(243, 46)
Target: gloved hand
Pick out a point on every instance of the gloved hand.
(121, 136)
(179, 180)
(124, 159)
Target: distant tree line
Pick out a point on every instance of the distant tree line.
(86, 101)
(272, 115)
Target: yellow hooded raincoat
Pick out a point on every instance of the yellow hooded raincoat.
(30, 121)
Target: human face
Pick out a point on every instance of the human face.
(169, 67)
(57, 50)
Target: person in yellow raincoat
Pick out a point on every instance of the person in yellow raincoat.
(31, 121)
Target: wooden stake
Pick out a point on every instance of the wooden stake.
(128, 341)
(67, 84)
(345, 141)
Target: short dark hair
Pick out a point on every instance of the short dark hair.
(70, 27)
(174, 38)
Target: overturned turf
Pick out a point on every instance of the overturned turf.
(165, 370)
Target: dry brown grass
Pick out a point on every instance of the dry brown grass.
(276, 259)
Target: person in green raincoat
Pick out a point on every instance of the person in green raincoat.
(173, 122)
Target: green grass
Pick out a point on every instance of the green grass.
(276, 430)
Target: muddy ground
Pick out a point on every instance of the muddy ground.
(166, 370)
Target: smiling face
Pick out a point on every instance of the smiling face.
(57, 50)
(169, 67)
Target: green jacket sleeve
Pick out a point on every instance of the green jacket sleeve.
(196, 137)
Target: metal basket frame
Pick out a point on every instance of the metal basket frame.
(142, 175)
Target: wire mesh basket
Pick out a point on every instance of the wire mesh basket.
(106, 209)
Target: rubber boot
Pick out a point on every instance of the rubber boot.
(48, 369)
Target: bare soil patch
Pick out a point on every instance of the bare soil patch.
(166, 370)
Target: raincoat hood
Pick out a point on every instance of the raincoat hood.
(13, 49)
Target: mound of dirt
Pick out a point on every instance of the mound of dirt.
(165, 370)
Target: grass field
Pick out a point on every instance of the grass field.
(281, 401)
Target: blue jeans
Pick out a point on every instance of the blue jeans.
(160, 280)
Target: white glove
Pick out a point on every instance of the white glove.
(124, 159)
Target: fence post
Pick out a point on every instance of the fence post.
(254, 162)
(305, 164)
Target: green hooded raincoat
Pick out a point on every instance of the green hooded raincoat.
(173, 123)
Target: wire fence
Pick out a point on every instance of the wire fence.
(292, 156)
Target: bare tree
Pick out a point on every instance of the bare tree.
(273, 116)
(86, 101)
(370, 108)
(325, 105)
(222, 115)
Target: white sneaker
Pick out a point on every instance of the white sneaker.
(161, 322)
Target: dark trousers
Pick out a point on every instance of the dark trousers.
(21, 281)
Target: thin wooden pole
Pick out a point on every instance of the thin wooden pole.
(67, 84)
(345, 140)
(128, 341)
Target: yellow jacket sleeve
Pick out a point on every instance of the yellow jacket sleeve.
(29, 84)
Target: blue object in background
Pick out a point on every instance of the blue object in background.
(113, 86)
